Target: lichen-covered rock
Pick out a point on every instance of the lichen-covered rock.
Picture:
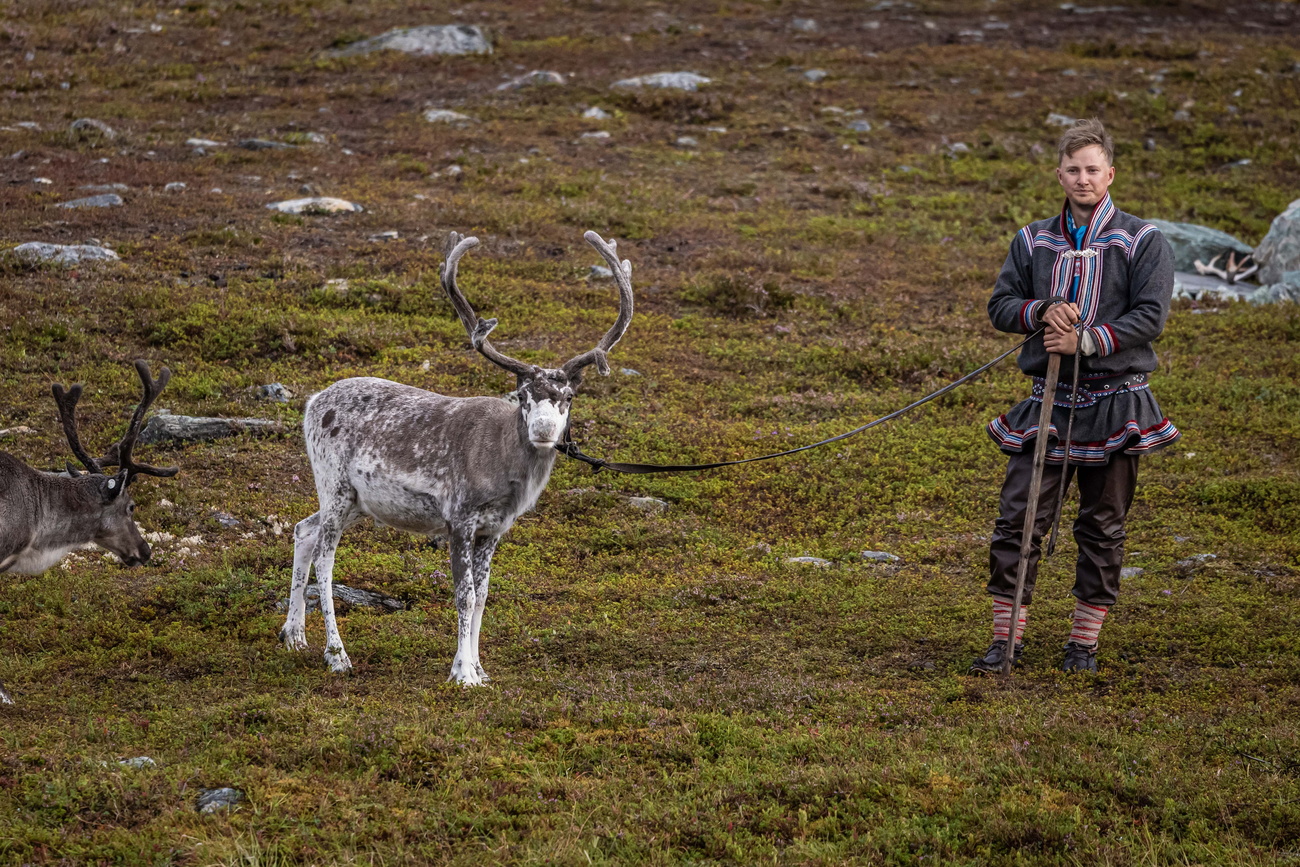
(89, 129)
(1279, 252)
(425, 41)
(351, 596)
(1055, 119)
(1204, 287)
(647, 504)
(1192, 242)
(316, 205)
(809, 561)
(68, 255)
(1285, 290)
(670, 80)
(533, 79)
(881, 557)
(443, 115)
(165, 427)
(104, 200)
(212, 800)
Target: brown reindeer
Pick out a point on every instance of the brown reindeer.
(43, 516)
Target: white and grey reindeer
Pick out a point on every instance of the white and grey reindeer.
(464, 467)
(44, 516)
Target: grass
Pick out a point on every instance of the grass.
(666, 687)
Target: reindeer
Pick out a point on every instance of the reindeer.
(43, 516)
(460, 467)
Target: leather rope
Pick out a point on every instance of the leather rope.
(570, 449)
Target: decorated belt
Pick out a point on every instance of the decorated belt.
(1092, 388)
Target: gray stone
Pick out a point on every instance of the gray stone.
(168, 428)
(212, 800)
(1055, 119)
(225, 519)
(175, 187)
(352, 596)
(809, 561)
(390, 235)
(104, 188)
(686, 142)
(203, 143)
(425, 41)
(533, 79)
(1192, 242)
(627, 371)
(647, 504)
(595, 113)
(68, 255)
(1195, 561)
(1204, 287)
(274, 392)
(261, 144)
(881, 557)
(89, 129)
(104, 200)
(316, 205)
(1279, 252)
(860, 125)
(600, 272)
(597, 134)
(815, 75)
(804, 25)
(1285, 290)
(138, 763)
(958, 148)
(671, 80)
(443, 115)
(1130, 572)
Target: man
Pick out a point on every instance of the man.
(1101, 280)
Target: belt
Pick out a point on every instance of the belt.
(1093, 388)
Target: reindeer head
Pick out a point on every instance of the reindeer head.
(116, 530)
(545, 394)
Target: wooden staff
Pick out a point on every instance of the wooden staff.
(1031, 506)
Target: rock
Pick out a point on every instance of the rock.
(16, 431)
(68, 255)
(175, 187)
(167, 428)
(1287, 289)
(138, 763)
(212, 800)
(532, 79)
(274, 392)
(809, 561)
(390, 235)
(815, 75)
(442, 115)
(203, 143)
(225, 519)
(1149, 144)
(89, 129)
(1279, 252)
(104, 188)
(627, 371)
(316, 205)
(647, 504)
(425, 41)
(1192, 242)
(597, 134)
(686, 142)
(1200, 287)
(261, 144)
(804, 25)
(42, 181)
(860, 125)
(380, 603)
(673, 80)
(958, 148)
(1055, 119)
(600, 272)
(881, 557)
(105, 200)
(1130, 572)
(595, 113)
(1195, 561)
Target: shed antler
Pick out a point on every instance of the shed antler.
(623, 275)
(478, 329)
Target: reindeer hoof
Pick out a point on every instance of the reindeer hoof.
(293, 639)
(465, 675)
(338, 662)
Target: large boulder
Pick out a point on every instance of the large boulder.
(1192, 242)
(667, 80)
(424, 41)
(1286, 289)
(1206, 287)
(67, 255)
(1279, 252)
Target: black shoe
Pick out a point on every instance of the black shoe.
(1080, 658)
(992, 661)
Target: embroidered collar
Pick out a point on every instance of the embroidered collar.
(1102, 213)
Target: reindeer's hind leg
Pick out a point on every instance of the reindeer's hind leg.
(483, 551)
(294, 631)
(333, 520)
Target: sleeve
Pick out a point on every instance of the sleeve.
(1151, 286)
(1012, 307)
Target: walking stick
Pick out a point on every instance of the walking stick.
(1031, 506)
(1055, 532)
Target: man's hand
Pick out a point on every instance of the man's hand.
(1060, 337)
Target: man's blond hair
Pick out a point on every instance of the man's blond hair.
(1086, 132)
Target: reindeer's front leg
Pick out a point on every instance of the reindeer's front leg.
(294, 631)
(463, 670)
(483, 551)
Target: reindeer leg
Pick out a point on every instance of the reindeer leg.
(294, 631)
(483, 551)
(5, 698)
(462, 576)
(327, 542)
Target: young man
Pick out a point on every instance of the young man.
(1100, 278)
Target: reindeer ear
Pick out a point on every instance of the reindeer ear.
(112, 486)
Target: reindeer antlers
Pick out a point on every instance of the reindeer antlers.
(622, 274)
(118, 454)
(478, 329)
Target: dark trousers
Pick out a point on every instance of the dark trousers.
(1105, 494)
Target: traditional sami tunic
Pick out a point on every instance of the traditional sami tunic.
(1119, 270)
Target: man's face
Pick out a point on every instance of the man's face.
(1085, 175)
